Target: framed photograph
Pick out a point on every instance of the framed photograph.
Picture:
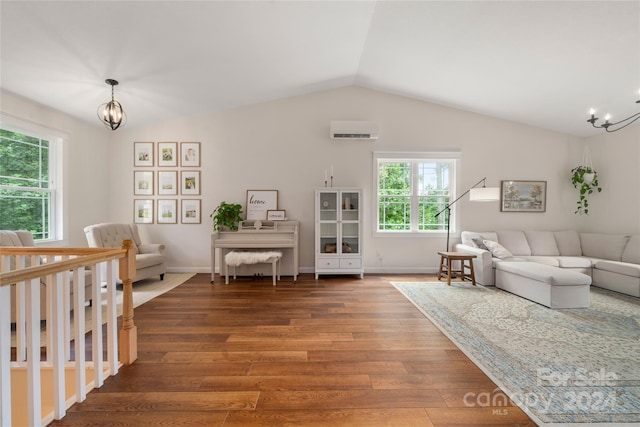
(143, 154)
(167, 154)
(167, 211)
(261, 201)
(523, 196)
(143, 211)
(190, 182)
(190, 154)
(167, 182)
(190, 211)
(143, 183)
(276, 215)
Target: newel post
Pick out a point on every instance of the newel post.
(129, 333)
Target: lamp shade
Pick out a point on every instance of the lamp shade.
(484, 194)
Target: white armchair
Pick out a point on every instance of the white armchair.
(150, 260)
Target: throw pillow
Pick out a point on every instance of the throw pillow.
(497, 250)
(480, 243)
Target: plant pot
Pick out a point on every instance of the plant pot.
(588, 177)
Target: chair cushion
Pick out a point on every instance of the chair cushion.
(148, 260)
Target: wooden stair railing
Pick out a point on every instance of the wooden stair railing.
(59, 264)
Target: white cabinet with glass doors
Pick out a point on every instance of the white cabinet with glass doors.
(338, 242)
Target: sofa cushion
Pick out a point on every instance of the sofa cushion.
(568, 243)
(514, 241)
(546, 260)
(479, 243)
(542, 243)
(605, 246)
(497, 250)
(574, 262)
(632, 250)
(545, 273)
(624, 268)
(466, 237)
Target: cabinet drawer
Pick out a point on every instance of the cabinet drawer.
(350, 263)
(328, 263)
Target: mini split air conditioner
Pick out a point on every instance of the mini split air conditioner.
(353, 130)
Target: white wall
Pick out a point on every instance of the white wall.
(616, 158)
(284, 145)
(87, 171)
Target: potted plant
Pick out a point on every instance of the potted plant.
(585, 179)
(226, 216)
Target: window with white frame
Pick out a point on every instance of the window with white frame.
(29, 194)
(411, 189)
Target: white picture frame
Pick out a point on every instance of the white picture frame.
(190, 211)
(143, 211)
(190, 182)
(143, 183)
(143, 154)
(167, 154)
(276, 215)
(167, 182)
(167, 211)
(190, 154)
(259, 202)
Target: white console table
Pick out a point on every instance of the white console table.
(282, 235)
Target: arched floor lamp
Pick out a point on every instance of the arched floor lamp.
(482, 194)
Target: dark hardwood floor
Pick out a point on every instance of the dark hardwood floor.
(339, 351)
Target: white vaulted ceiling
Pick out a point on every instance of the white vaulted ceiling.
(543, 63)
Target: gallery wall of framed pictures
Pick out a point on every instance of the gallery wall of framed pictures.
(166, 183)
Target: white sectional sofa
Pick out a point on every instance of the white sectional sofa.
(612, 261)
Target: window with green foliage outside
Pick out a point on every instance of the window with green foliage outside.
(25, 190)
(410, 192)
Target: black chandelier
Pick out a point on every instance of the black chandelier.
(609, 126)
(111, 113)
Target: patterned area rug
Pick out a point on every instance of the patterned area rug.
(567, 366)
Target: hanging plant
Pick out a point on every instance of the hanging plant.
(585, 179)
(226, 216)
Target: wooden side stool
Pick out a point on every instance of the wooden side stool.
(447, 270)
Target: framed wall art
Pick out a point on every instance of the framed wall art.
(523, 196)
(261, 201)
(190, 182)
(167, 154)
(190, 211)
(143, 183)
(143, 211)
(167, 182)
(167, 211)
(142, 154)
(275, 215)
(189, 154)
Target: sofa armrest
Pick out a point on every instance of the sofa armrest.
(482, 264)
(151, 248)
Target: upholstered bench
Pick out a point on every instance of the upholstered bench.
(237, 258)
(547, 285)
